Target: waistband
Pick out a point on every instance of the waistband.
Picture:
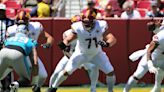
(20, 49)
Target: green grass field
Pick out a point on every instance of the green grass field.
(87, 89)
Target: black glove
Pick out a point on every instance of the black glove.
(103, 43)
(64, 47)
(46, 45)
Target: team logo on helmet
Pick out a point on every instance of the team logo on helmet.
(91, 15)
(22, 17)
(76, 18)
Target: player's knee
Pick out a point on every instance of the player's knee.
(111, 73)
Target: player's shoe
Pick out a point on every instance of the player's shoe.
(52, 90)
(35, 88)
(14, 86)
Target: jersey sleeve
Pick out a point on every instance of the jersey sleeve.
(35, 43)
(103, 25)
(74, 27)
(38, 26)
(66, 33)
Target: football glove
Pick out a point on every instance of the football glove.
(151, 67)
(46, 45)
(64, 47)
(103, 44)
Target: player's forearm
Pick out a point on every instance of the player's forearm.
(150, 50)
(34, 57)
(50, 41)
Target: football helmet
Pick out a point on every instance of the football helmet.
(154, 25)
(22, 17)
(75, 18)
(88, 19)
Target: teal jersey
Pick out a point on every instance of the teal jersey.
(22, 41)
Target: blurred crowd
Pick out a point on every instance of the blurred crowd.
(105, 8)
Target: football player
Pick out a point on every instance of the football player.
(91, 35)
(155, 54)
(141, 70)
(153, 26)
(91, 68)
(13, 55)
(35, 30)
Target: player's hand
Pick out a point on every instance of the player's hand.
(46, 45)
(151, 67)
(103, 43)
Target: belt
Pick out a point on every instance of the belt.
(20, 49)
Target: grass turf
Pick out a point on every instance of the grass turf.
(87, 89)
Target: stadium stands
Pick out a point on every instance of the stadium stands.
(145, 4)
(10, 12)
(142, 11)
(12, 7)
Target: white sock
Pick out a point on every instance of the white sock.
(130, 84)
(41, 81)
(93, 75)
(59, 79)
(35, 80)
(110, 82)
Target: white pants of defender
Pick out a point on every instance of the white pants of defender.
(100, 59)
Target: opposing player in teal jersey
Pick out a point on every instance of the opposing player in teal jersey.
(13, 56)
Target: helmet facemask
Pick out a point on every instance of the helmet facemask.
(154, 26)
(88, 24)
(88, 20)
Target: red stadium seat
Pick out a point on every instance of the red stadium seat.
(13, 4)
(10, 12)
(142, 11)
(144, 4)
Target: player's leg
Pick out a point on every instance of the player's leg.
(3, 67)
(23, 70)
(142, 69)
(102, 61)
(70, 67)
(39, 80)
(158, 80)
(60, 66)
(93, 73)
(7, 80)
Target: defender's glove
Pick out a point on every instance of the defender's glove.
(64, 47)
(46, 45)
(103, 44)
(151, 67)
